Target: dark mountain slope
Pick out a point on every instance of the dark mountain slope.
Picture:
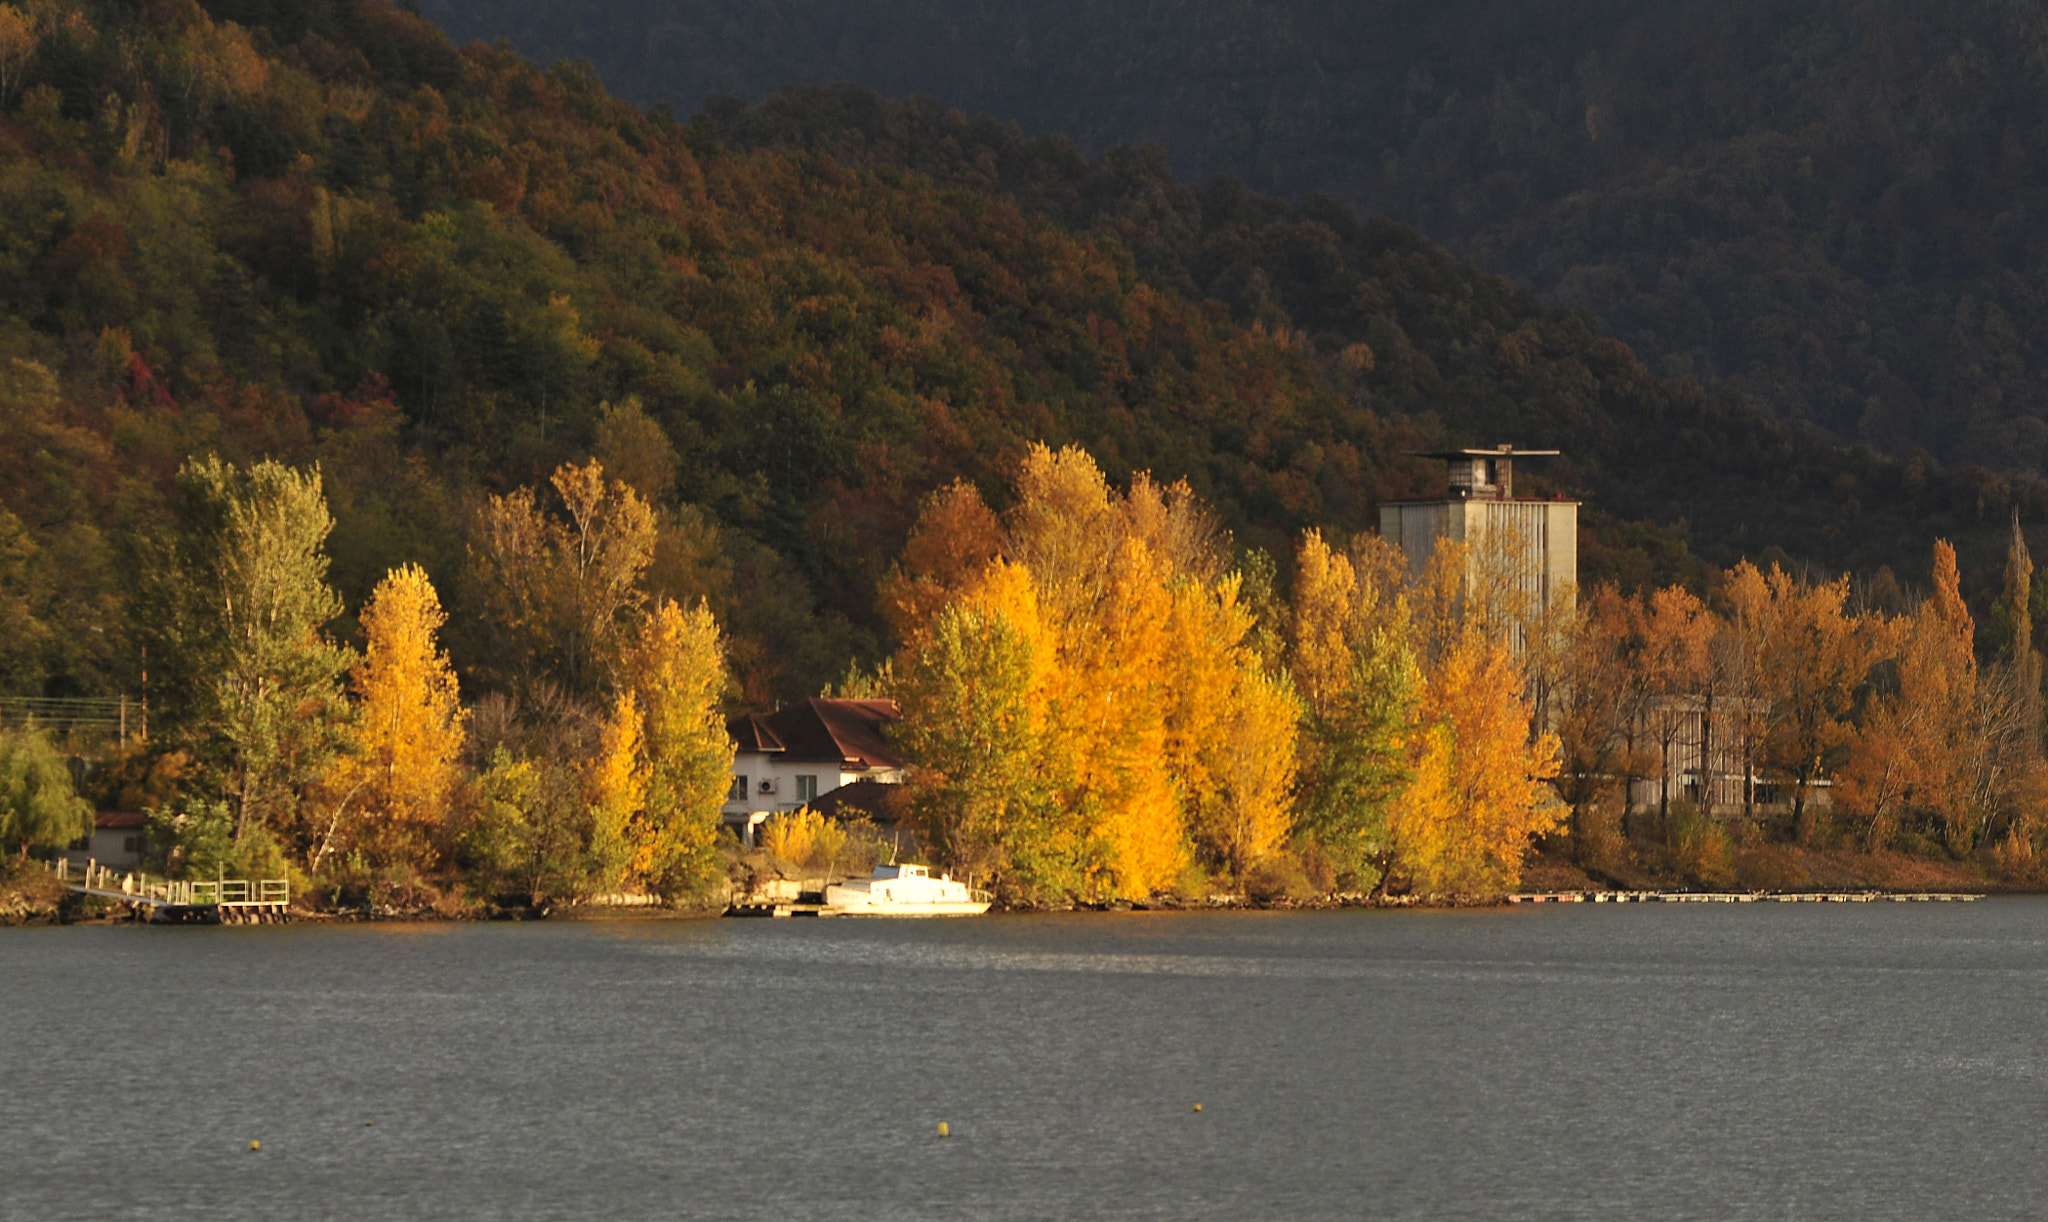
(1839, 206)
(1399, 324)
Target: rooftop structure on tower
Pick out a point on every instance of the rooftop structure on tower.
(1541, 537)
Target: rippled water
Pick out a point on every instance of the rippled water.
(1761, 1061)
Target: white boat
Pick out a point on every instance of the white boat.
(904, 891)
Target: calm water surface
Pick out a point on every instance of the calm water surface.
(1745, 1061)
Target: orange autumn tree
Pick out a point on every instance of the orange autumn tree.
(1917, 754)
(1480, 790)
(957, 536)
(408, 730)
(1600, 720)
(1677, 634)
(1802, 659)
(1153, 732)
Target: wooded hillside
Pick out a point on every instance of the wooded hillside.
(1835, 205)
(319, 232)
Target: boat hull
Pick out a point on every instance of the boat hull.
(904, 891)
(943, 909)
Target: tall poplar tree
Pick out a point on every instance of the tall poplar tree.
(1356, 672)
(239, 606)
(675, 669)
(2023, 662)
(563, 589)
(408, 725)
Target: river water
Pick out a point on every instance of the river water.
(1754, 1061)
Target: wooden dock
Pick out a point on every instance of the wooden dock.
(1744, 897)
(778, 908)
(220, 901)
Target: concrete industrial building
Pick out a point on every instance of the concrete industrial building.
(1483, 511)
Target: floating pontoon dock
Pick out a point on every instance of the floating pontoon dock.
(1744, 897)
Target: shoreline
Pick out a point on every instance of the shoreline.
(1782, 873)
(18, 912)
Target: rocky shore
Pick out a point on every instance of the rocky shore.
(31, 899)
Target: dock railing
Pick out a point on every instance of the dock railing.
(137, 887)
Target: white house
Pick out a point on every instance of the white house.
(788, 759)
(118, 841)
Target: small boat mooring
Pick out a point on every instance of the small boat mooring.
(892, 890)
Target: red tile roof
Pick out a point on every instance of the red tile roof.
(120, 818)
(822, 730)
(751, 733)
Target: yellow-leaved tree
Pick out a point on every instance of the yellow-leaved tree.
(1480, 782)
(981, 718)
(1117, 666)
(676, 670)
(392, 792)
(1354, 664)
(615, 785)
(1085, 711)
(1230, 728)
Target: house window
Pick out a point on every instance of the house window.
(738, 792)
(131, 844)
(806, 787)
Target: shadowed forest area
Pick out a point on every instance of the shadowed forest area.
(1835, 205)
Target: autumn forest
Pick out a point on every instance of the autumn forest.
(435, 449)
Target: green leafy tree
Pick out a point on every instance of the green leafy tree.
(977, 723)
(241, 602)
(39, 806)
(22, 632)
(194, 839)
(1358, 742)
(531, 836)
(1352, 656)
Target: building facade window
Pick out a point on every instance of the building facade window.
(806, 787)
(739, 789)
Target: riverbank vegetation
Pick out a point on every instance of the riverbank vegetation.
(1105, 698)
(423, 451)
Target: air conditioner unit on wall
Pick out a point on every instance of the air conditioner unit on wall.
(768, 786)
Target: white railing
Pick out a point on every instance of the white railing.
(184, 893)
